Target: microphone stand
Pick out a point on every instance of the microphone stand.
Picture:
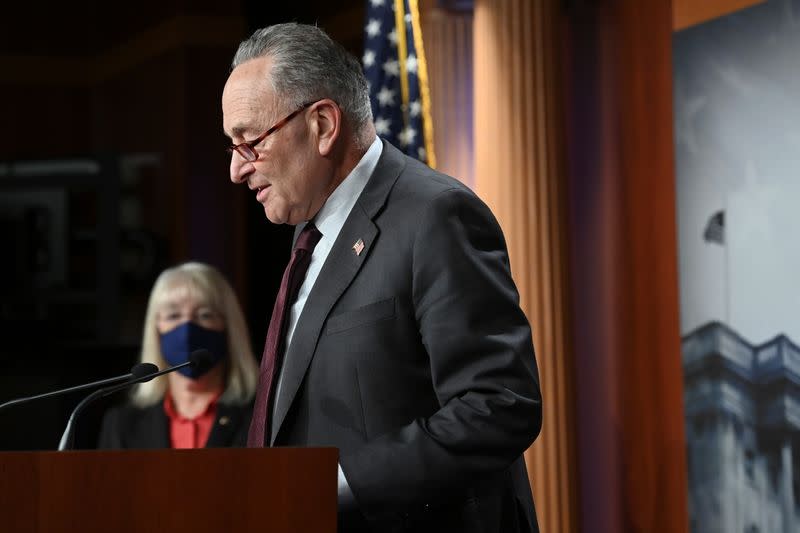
(137, 371)
(68, 437)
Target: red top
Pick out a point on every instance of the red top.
(189, 432)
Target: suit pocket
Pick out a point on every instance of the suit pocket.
(361, 316)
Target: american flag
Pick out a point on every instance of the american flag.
(394, 64)
(715, 228)
(358, 246)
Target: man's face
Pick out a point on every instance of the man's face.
(289, 178)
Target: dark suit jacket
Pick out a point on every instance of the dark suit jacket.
(145, 428)
(416, 361)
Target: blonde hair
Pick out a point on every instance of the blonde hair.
(206, 284)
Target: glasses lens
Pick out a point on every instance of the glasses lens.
(246, 152)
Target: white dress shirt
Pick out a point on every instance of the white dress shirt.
(329, 222)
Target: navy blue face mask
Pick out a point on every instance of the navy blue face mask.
(177, 344)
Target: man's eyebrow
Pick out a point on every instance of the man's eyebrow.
(237, 132)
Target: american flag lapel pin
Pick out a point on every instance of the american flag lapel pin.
(358, 247)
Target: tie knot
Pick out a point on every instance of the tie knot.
(308, 238)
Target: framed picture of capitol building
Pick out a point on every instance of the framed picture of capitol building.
(737, 141)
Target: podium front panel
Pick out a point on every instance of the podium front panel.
(196, 491)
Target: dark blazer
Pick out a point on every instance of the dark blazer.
(142, 428)
(414, 358)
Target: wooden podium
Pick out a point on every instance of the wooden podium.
(171, 491)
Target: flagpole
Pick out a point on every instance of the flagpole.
(726, 244)
(716, 232)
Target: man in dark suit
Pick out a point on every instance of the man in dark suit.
(405, 346)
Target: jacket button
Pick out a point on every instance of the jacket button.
(223, 420)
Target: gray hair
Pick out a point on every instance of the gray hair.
(307, 66)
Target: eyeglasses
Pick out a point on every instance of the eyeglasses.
(247, 149)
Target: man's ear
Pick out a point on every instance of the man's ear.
(326, 119)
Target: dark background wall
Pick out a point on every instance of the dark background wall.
(123, 106)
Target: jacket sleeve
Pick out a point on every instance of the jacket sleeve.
(482, 365)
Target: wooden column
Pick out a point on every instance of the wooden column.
(520, 174)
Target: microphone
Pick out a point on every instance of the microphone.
(139, 370)
(198, 359)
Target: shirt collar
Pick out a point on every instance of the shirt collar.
(333, 214)
(173, 414)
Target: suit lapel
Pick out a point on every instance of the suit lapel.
(339, 270)
(154, 430)
(225, 424)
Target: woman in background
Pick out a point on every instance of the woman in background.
(192, 306)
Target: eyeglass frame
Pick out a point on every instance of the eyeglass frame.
(251, 145)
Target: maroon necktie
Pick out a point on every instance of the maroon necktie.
(293, 277)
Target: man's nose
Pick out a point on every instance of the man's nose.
(240, 168)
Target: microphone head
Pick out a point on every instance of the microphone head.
(143, 370)
(201, 361)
